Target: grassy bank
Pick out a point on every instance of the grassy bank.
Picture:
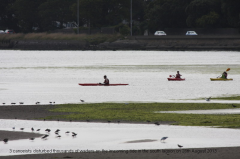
(144, 112)
(92, 39)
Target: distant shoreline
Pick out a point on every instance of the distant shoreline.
(145, 43)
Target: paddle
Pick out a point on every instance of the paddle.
(226, 71)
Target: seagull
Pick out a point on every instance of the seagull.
(234, 105)
(21, 102)
(82, 100)
(5, 140)
(180, 146)
(208, 99)
(163, 138)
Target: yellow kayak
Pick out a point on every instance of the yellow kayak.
(221, 79)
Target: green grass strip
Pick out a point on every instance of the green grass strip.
(143, 112)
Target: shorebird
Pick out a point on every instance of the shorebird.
(57, 130)
(180, 146)
(3, 103)
(208, 99)
(234, 106)
(38, 129)
(48, 130)
(13, 103)
(45, 136)
(157, 123)
(82, 100)
(21, 102)
(21, 128)
(5, 140)
(118, 121)
(50, 102)
(32, 138)
(163, 138)
(13, 128)
(109, 121)
(37, 103)
(74, 134)
(59, 136)
(67, 132)
(32, 129)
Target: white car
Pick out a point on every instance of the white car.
(191, 33)
(2, 32)
(160, 33)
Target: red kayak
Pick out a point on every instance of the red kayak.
(176, 79)
(97, 84)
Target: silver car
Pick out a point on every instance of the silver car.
(2, 32)
(160, 33)
(191, 33)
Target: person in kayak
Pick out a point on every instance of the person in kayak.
(224, 75)
(106, 80)
(178, 75)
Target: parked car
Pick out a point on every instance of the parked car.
(9, 31)
(160, 33)
(191, 33)
(2, 32)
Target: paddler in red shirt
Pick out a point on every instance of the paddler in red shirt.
(106, 80)
(178, 75)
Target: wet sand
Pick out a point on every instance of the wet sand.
(41, 111)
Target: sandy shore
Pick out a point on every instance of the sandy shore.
(41, 111)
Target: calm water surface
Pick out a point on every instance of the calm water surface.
(44, 76)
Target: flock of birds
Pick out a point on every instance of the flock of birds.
(21, 103)
(46, 135)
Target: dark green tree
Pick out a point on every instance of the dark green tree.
(55, 11)
(231, 11)
(8, 19)
(166, 14)
(26, 11)
(204, 13)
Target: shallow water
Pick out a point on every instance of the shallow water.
(214, 111)
(44, 76)
(104, 136)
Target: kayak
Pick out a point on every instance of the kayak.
(221, 79)
(97, 84)
(176, 79)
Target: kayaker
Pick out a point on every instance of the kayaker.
(106, 80)
(224, 75)
(178, 75)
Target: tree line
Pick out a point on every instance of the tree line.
(41, 15)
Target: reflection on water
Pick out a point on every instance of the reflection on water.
(104, 136)
(44, 76)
